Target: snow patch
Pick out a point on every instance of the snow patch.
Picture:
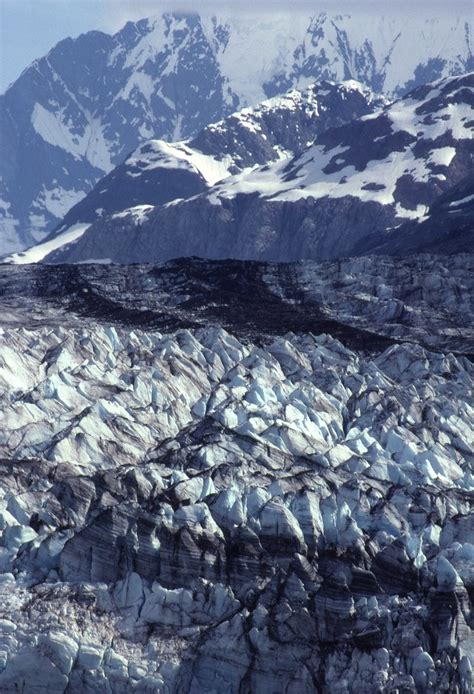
(39, 252)
(463, 201)
(91, 143)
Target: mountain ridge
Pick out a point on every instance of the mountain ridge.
(366, 176)
(158, 172)
(170, 76)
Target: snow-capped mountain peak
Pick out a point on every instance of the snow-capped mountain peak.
(410, 142)
(160, 173)
(354, 181)
(169, 76)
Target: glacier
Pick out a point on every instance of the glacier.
(234, 476)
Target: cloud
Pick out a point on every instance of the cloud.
(115, 13)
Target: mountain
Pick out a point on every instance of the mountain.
(448, 226)
(354, 182)
(237, 477)
(80, 110)
(159, 172)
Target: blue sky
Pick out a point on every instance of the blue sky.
(29, 28)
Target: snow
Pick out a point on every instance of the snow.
(4, 205)
(139, 82)
(311, 179)
(139, 213)
(145, 131)
(38, 223)
(253, 55)
(39, 252)
(99, 150)
(8, 231)
(52, 129)
(260, 45)
(404, 213)
(463, 201)
(443, 156)
(178, 155)
(58, 201)
(89, 142)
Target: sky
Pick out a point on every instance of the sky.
(30, 28)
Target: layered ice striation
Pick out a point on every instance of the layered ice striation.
(193, 507)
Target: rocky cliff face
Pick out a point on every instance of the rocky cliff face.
(81, 109)
(195, 499)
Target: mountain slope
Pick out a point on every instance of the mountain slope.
(357, 180)
(158, 172)
(448, 227)
(81, 109)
